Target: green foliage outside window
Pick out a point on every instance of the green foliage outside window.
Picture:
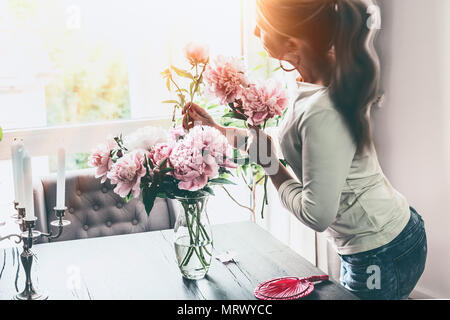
(89, 76)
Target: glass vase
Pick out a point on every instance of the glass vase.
(193, 238)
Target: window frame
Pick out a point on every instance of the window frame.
(91, 134)
(75, 138)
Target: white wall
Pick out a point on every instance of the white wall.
(413, 128)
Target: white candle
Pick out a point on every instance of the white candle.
(61, 179)
(28, 187)
(17, 149)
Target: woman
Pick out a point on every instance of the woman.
(326, 139)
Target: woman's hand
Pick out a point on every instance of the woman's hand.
(261, 150)
(194, 114)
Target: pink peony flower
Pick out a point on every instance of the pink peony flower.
(225, 79)
(159, 153)
(176, 133)
(198, 156)
(190, 167)
(213, 143)
(127, 172)
(263, 101)
(101, 159)
(196, 53)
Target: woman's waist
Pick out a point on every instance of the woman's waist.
(373, 200)
(408, 235)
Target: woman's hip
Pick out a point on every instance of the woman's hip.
(391, 271)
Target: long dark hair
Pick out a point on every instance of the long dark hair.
(353, 79)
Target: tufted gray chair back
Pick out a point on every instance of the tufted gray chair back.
(96, 211)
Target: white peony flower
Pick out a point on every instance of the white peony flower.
(145, 138)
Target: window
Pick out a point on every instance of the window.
(75, 71)
(83, 61)
(66, 66)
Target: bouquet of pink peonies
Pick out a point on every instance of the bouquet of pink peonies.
(151, 163)
(256, 103)
(155, 164)
(225, 79)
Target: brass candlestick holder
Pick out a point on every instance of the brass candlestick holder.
(28, 237)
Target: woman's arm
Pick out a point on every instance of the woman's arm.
(281, 176)
(194, 114)
(327, 153)
(262, 151)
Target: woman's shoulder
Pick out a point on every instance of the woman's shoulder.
(319, 105)
(323, 123)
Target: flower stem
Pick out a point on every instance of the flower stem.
(235, 201)
(195, 212)
(175, 107)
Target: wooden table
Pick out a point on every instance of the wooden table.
(143, 266)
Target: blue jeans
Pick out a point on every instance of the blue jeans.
(392, 271)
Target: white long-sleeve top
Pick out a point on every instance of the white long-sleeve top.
(337, 191)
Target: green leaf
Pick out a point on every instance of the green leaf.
(209, 190)
(219, 181)
(245, 169)
(276, 69)
(129, 197)
(145, 182)
(149, 196)
(236, 153)
(263, 54)
(163, 163)
(165, 170)
(150, 164)
(182, 73)
(223, 170)
(1, 134)
(162, 195)
(170, 101)
(284, 162)
(235, 115)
